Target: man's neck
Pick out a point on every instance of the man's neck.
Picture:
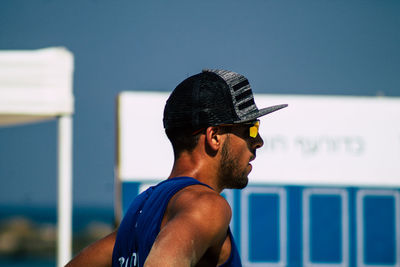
(196, 165)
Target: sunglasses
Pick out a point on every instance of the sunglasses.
(254, 127)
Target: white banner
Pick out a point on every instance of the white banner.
(317, 140)
(35, 84)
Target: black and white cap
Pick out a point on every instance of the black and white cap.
(210, 98)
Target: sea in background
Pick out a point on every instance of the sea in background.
(27, 262)
(28, 234)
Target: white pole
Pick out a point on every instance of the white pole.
(64, 231)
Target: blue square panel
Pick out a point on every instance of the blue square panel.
(379, 230)
(264, 228)
(325, 229)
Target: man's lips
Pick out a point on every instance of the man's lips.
(252, 158)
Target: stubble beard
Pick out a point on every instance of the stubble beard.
(230, 175)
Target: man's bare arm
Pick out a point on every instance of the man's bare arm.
(98, 254)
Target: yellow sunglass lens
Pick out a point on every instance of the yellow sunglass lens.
(254, 129)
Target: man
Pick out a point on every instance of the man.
(212, 122)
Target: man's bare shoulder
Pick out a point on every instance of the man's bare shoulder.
(201, 201)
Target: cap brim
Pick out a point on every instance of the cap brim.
(262, 112)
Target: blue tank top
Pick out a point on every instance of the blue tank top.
(141, 224)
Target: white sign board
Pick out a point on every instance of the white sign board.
(317, 140)
(35, 84)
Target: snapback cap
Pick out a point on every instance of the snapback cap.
(210, 98)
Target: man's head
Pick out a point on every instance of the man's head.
(210, 98)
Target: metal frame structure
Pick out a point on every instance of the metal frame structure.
(36, 85)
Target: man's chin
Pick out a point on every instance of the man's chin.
(242, 183)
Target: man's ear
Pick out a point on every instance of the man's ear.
(213, 138)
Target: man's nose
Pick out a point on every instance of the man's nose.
(258, 142)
